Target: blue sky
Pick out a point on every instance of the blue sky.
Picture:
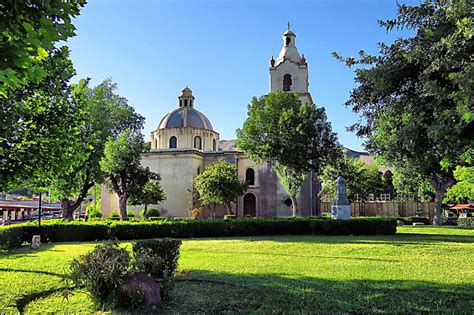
(221, 49)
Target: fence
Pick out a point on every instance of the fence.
(388, 209)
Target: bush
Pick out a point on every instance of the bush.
(230, 217)
(114, 214)
(466, 222)
(156, 218)
(130, 214)
(158, 258)
(167, 249)
(152, 212)
(59, 231)
(102, 271)
(94, 213)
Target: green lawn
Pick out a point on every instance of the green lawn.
(419, 269)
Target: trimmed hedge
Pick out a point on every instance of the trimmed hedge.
(466, 222)
(59, 231)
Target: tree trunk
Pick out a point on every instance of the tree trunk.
(294, 205)
(440, 190)
(145, 211)
(68, 209)
(439, 195)
(123, 206)
(227, 208)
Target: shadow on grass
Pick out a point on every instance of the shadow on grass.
(34, 271)
(397, 239)
(205, 292)
(272, 254)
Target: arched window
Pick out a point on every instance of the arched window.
(197, 143)
(173, 142)
(287, 82)
(156, 144)
(198, 171)
(185, 103)
(214, 145)
(288, 40)
(250, 176)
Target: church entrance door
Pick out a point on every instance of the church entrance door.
(250, 207)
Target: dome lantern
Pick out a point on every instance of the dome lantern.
(186, 99)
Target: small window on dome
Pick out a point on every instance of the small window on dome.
(185, 103)
(288, 40)
(214, 145)
(173, 142)
(197, 143)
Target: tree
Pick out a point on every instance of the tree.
(150, 194)
(37, 115)
(104, 114)
(121, 163)
(463, 190)
(37, 122)
(218, 184)
(361, 179)
(295, 137)
(411, 186)
(29, 31)
(416, 96)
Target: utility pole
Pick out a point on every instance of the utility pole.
(39, 211)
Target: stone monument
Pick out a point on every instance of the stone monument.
(341, 208)
(36, 241)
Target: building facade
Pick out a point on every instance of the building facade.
(185, 142)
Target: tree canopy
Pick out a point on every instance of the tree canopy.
(29, 31)
(362, 180)
(416, 95)
(121, 163)
(295, 137)
(103, 114)
(218, 184)
(150, 194)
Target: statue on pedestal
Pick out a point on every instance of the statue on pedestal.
(341, 207)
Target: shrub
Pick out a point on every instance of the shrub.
(158, 258)
(114, 214)
(130, 214)
(12, 236)
(94, 213)
(230, 216)
(466, 222)
(167, 249)
(59, 231)
(156, 218)
(152, 212)
(102, 271)
(196, 213)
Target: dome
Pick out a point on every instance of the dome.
(185, 117)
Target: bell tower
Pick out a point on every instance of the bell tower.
(289, 72)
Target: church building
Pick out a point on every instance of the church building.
(185, 142)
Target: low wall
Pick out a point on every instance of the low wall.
(388, 209)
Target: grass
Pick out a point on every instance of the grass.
(422, 269)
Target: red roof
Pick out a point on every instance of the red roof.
(461, 206)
